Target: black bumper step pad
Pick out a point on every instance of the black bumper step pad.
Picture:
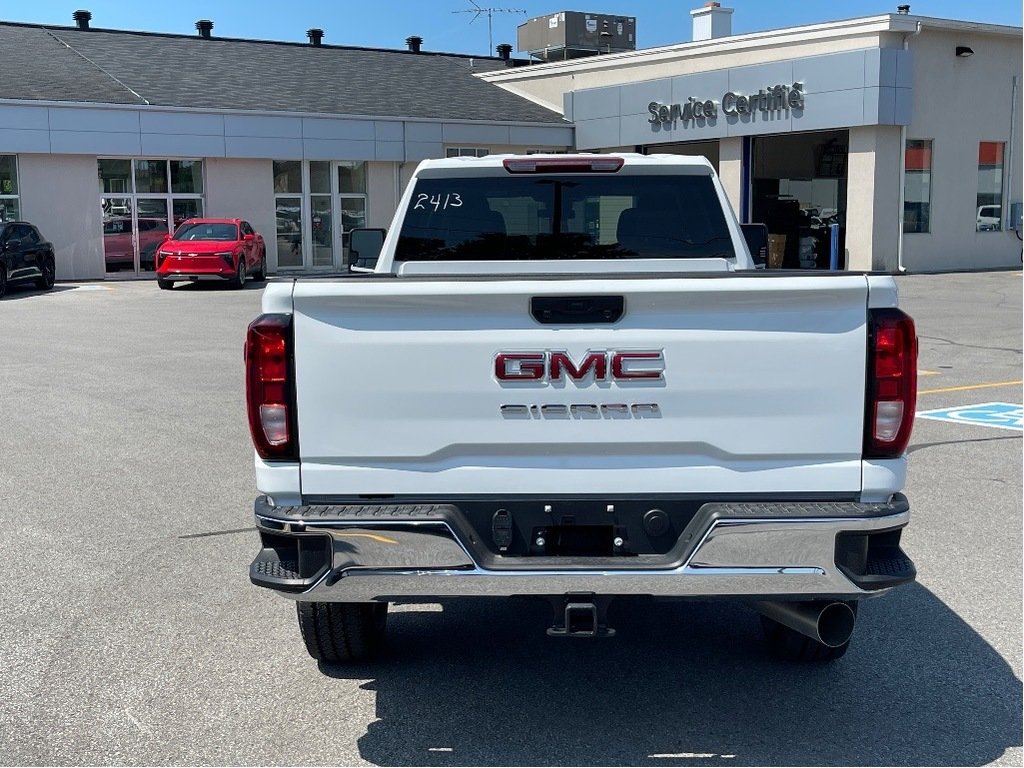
(290, 563)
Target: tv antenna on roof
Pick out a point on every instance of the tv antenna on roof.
(478, 11)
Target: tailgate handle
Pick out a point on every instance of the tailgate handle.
(577, 310)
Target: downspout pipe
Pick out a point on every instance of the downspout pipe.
(1010, 147)
(903, 168)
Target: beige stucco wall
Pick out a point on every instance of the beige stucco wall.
(873, 218)
(381, 193)
(730, 170)
(244, 189)
(60, 195)
(957, 104)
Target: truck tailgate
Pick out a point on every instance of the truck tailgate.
(762, 390)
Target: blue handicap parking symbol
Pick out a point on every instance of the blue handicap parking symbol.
(1000, 415)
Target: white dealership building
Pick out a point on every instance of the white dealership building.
(903, 131)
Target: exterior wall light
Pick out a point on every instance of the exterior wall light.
(962, 51)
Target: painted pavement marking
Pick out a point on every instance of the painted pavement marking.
(998, 415)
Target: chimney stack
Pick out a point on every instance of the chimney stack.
(712, 21)
(504, 51)
(205, 27)
(315, 36)
(903, 9)
(82, 19)
(414, 42)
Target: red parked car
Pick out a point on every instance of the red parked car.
(219, 249)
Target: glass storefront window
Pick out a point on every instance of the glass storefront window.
(323, 241)
(320, 177)
(467, 152)
(150, 228)
(118, 244)
(352, 177)
(141, 200)
(8, 175)
(115, 176)
(289, 232)
(187, 209)
(9, 209)
(353, 215)
(287, 176)
(151, 176)
(990, 187)
(318, 203)
(187, 177)
(917, 186)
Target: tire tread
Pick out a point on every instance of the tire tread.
(342, 632)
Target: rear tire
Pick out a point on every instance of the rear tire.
(45, 281)
(789, 645)
(339, 633)
(3, 279)
(239, 279)
(261, 274)
(165, 285)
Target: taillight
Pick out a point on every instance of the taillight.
(270, 386)
(891, 383)
(595, 164)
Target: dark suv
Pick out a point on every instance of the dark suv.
(25, 255)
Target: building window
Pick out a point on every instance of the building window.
(187, 177)
(351, 200)
(467, 152)
(547, 151)
(323, 193)
(287, 176)
(151, 177)
(288, 203)
(989, 214)
(143, 200)
(10, 204)
(917, 186)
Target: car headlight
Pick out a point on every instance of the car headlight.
(224, 254)
(163, 253)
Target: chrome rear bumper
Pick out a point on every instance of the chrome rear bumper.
(771, 550)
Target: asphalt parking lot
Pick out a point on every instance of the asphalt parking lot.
(131, 634)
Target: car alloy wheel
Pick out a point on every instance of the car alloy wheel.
(49, 275)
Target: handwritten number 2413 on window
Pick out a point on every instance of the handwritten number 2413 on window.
(438, 203)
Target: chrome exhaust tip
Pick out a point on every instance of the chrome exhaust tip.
(829, 623)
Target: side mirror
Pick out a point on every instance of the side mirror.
(364, 248)
(166, 237)
(756, 236)
(248, 238)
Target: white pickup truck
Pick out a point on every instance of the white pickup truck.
(563, 378)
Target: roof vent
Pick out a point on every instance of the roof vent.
(205, 27)
(904, 9)
(81, 19)
(315, 36)
(414, 42)
(504, 51)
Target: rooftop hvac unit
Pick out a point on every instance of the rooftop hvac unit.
(573, 34)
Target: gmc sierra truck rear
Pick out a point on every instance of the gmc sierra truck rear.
(565, 379)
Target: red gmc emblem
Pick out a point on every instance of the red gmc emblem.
(639, 365)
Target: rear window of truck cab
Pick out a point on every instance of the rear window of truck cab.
(573, 216)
